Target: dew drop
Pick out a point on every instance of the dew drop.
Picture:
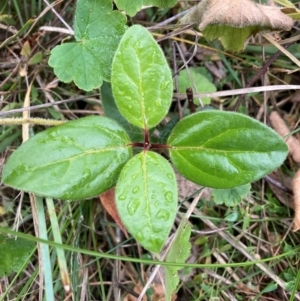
(135, 189)
(123, 196)
(19, 170)
(132, 206)
(134, 177)
(153, 196)
(156, 229)
(128, 98)
(123, 157)
(169, 197)
(163, 214)
(140, 236)
(170, 176)
(164, 85)
(86, 174)
(161, 184)
(158, 103)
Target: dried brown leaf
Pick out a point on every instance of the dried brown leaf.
(282, 129)
(284, 197)
(238, 13)
(234, 21)
(296, 190)
(107, 199)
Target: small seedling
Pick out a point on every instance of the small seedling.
(85, 157)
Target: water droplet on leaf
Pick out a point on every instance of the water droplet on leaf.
(169, 197)
(132, 206)
(140, 236)
(158, 103)
(123, 196)
(135, 189)
(163, 214)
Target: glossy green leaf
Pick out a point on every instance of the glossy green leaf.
(202, 84)
(141, 79)
(178, 253)
(146, 198)
(133, 6)
(73, 161)
(98, 31)
(224, 149)
(13, 254)
(231, 196)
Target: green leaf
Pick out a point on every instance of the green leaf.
(87, 61)
(110, 108)
(231, 38)
(224, 149)
(73, 161)
(133, 6)
(178, 253)
(36, 59)
(141, 79)
(146, 198)
(232, 196)
(13, 254)
(130, 7)
(160, 3)
(202, 83)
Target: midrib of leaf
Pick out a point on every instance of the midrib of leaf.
(146, 189)
(214, 150)
(224, 132)
(141, 90)
(80, 155)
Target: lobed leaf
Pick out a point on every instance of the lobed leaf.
(98, 31)
(146, 198)
(232, 196)
(130, 7)
(224, 149)
(76, 160)
(133, 6)
(141, 79)
(13, 254)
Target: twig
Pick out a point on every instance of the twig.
(259, 74)
(240, 91)
(46, 105)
